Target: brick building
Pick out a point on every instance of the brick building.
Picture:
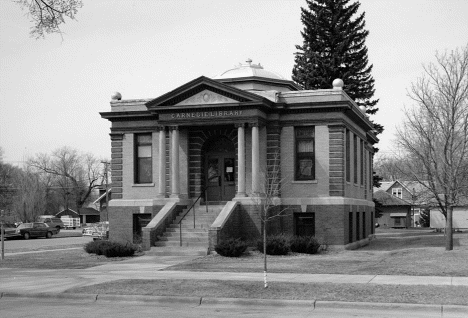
(212, 143)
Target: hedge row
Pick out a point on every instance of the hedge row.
(110, 248)
(275, 245)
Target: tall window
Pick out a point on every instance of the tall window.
(143, 162)
(363, 224)
(348, 156)
(355, 158)
(350, 227)
(358, 233)
(305, 154)
(362, 162)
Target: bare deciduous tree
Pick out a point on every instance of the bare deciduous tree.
(29, 201)
(75, 174)
(434, 136)
(389, 168)
(48, 15)
(269, 202)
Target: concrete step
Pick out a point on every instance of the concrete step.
(177, 251)
(171, 231)
(193, 233)
(190, 239)
(190, 226)
(184, 244)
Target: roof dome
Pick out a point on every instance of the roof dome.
(248, 70)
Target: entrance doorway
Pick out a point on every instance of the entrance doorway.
(220, 174)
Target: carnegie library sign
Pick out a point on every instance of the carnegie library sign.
(200, 114)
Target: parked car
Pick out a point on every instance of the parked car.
(9, 230)
(51, 221)
(35, 229)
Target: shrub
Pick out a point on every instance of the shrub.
(304, 244)
(275, 245)
(110, 248)
(231, 247)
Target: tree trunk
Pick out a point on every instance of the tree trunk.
(449, 230)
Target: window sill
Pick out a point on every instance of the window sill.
(137, 185)
(305, 181)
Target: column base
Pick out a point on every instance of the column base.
(240, 195)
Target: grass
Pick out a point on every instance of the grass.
(71, 258)
(447, 295)
(420, 254)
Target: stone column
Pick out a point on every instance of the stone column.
(175, 193)
(255, 159)
(240, 160)
(162, 162)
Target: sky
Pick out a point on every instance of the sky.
(52, 89)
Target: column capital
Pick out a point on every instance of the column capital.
(160, 128)
(254, 124)
(173, 127)
(237, 125)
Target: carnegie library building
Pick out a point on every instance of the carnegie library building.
(196, 164)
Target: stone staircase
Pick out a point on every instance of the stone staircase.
(194, 240)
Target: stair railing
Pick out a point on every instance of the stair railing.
(193, 207)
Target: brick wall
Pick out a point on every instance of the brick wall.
(116, 164)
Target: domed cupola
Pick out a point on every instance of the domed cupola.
(253, 77)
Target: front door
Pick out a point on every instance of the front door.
(220, 176)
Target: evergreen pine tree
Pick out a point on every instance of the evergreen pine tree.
(334, 47)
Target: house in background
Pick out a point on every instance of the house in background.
(86, 215)
(411, 192)
(394, 212)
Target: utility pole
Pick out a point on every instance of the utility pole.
(2, 218)
(107, 191)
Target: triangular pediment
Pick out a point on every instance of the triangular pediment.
(206, 97)
(203, 91)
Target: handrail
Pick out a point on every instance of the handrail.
(188, 210)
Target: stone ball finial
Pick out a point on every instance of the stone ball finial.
(363, 109)
(338, 84)
(116, 96)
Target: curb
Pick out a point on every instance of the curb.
(452, 310)
(247, 302)
(443, 310)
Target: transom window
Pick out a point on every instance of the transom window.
(143, 162)
(305, 153)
